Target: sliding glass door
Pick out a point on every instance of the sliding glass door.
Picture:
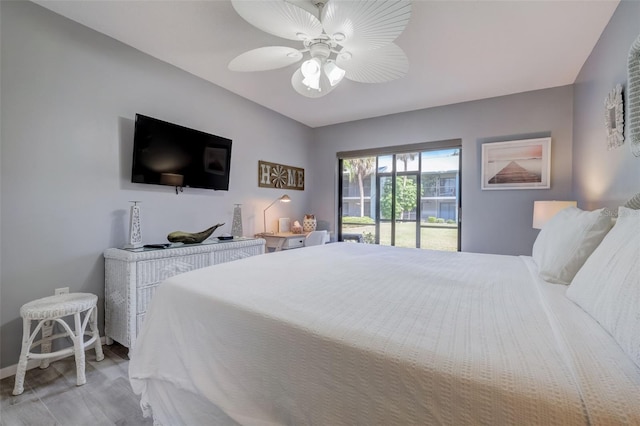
(405, 199)
(397, 183)
(357, 201)
(440, 199)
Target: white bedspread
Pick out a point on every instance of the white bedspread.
(355, 334)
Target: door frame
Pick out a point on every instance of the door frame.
(394, 175)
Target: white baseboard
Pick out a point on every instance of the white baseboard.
(33, 363)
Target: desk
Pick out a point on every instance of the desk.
(283, 240)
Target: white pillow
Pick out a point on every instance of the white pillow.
(607, 287)
(566, 241)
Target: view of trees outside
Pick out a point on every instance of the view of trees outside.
(405, 159)
(406, 201)
(439, 174)
(360, 168)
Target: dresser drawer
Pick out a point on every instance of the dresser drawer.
(143, 297)
(158, 270)
(291, 243)
(224, 256)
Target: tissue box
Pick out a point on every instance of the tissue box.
(296, 228)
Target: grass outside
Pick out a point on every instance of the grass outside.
(432, 237)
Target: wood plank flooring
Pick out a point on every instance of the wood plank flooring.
(51, 396)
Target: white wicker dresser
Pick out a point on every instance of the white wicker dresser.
(131, 278)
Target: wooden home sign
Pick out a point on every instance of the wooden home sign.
(272, 175)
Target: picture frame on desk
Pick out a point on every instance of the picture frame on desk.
(284, 225)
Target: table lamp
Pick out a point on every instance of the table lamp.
(545, 210)
(285, 199)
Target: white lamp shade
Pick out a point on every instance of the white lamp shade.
(545, 210)
(324, 87)
(316, 78)
(334, 73)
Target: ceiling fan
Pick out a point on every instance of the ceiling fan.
(350, 39)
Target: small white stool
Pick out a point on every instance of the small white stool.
(48, 311)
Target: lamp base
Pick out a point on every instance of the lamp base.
(133, 246)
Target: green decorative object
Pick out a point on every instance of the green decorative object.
(192, 238)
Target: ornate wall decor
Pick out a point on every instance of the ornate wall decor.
(633, 95)
(273, 175)
(614, 118)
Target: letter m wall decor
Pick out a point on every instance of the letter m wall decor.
(273, 175)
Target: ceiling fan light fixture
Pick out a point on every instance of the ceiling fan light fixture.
(360, 33)
(312, 83)
(334, 73)
(302, 86)
(311, 68)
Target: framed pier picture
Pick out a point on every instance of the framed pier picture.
(522, 164)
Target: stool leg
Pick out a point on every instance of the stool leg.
(24, 352)
(47, 331)
(78, 346)
(93, 323)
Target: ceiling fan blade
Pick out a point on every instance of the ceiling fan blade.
(307, 5)
(366, 24)
(279, 18)
(265, 59)
(374, 66)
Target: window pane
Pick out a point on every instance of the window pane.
(407, 162)
(385, 164)
(385, 233)
(358, 199)
(439, 202)
(386, 200)
(406, 198)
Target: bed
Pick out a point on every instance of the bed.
(357, 334)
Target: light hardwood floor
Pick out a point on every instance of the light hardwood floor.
(51, 396)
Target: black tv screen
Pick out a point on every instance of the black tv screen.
(169, 154)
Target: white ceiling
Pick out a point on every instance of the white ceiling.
(458, 50)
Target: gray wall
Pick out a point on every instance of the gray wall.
(69, 96)
(604, 178)
(492, 221)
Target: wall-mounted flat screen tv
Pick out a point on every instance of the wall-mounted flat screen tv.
(169, 154)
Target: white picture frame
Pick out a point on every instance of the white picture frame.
(633, 98)
(519, 164)
(614, 118)
(284, 224)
